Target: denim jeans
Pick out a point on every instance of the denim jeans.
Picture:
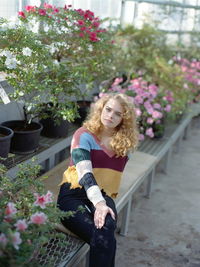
(102, 241)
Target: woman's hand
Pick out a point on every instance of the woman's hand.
(100, 214)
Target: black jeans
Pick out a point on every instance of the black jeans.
(102, 241)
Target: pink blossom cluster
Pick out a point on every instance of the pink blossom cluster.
(19, 225)
(87, 23)
(191, 70)
(151, 104)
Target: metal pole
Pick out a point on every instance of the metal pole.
(122, 12)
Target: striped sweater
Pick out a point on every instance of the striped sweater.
(93, 166)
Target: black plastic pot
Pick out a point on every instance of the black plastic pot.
(52, 129)
(83, 108)
(26, 136)
(158, 129)
(5, 139)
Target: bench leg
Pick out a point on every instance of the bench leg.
(167, 160)
(87, 259)
(149, 183)
(125, 218)
(178, 143)
(187, 131)
(50, 163)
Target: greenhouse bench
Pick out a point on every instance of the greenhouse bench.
(139, 167)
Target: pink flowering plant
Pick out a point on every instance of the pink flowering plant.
(28, 216)
(191, 70)
(151, 105)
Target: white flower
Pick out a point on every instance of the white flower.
(11, 63)
(52, 49)
(56, 62)
(6, 53)
(21, 93)
(90, 48)
(27, 51)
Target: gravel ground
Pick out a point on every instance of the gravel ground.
(164, 231)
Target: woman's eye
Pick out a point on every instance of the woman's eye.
(108, 109)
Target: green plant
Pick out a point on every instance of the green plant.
(27, 218)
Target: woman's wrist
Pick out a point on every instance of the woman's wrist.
(100, 203)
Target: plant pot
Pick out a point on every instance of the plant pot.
(52, 129)
(158, 129)
(26, 137)
(83, 108)
(5, 139)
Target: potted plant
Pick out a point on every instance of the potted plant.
(5, 139)
(79, 51)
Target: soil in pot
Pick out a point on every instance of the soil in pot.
(26, 136)
(5, 139)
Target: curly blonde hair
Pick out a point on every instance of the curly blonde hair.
(125, 137)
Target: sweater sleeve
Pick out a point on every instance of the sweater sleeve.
(80, 154)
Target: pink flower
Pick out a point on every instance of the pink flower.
(157, 115)
(96, 24)
(150, 120)
(3, 240)
(167, 108)
(81, 22)
(49, 196)
(149, 132)
(46, 5)
(42, 12)
(141, 137)
(21, 14)
(138, 112)
(43, 199)
(10, 209)
(21, 225)
(81, 34)
(157, 106)
(38, 218)
(93, 37)
(30, 8)
(16, 240)
(55, 10)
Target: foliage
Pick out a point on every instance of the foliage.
(27, 218)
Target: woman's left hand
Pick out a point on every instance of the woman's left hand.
(100, 214)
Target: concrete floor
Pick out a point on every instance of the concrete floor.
(164, 231)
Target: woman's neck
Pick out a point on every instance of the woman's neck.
(107, 132)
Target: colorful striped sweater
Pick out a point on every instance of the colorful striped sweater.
(93, 166)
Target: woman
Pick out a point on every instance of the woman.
(99, 152)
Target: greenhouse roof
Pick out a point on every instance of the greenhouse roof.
(167, 3)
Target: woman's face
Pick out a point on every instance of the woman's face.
(112, 113)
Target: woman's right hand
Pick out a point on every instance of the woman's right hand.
(100, 214)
